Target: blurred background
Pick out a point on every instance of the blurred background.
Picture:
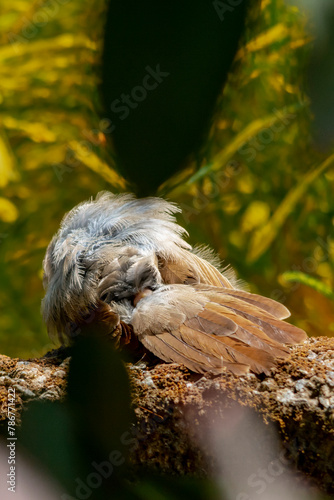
(258, 190)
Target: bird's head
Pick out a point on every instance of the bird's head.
(106, 249)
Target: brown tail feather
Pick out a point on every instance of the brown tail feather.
(172, 349)
(244, 330)
(227, 348)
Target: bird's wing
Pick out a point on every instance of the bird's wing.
(208, 330)
(270, 306)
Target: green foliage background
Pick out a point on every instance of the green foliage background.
(259, 193)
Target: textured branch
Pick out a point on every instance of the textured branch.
(173, 407)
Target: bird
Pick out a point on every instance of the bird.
(120, 267)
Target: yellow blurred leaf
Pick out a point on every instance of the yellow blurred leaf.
(230, 204)
(176, 182)
(7, 162)
(263, 237)
(49, 152)
(275, 34)
(8, 211)
(18, 46)
(255, 73)
(295, 44)
(237, 238)
(324, 270)
(91, 160)
(256, 214)
(36, 131)
(246, 183)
